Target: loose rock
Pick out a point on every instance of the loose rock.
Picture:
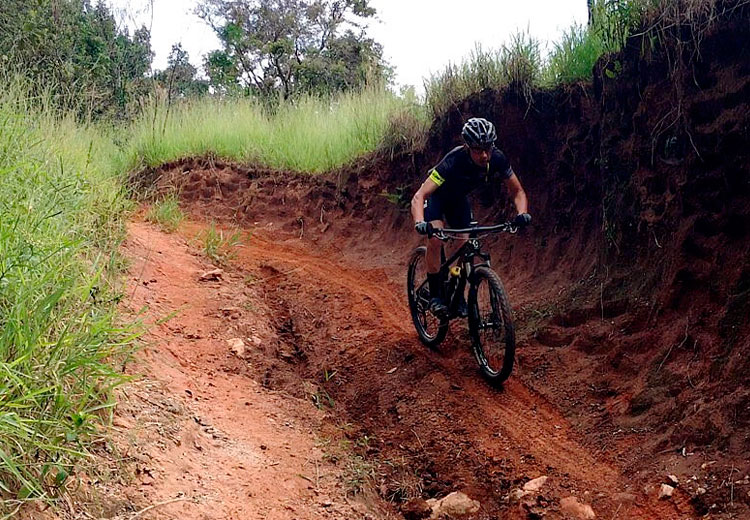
(456, 504)
(665, 492)
(211, 276)
(571, 506)
(535, 485)
(237, 346)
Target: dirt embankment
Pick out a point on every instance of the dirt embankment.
(632, 292)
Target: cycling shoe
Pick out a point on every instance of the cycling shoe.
(438, 308)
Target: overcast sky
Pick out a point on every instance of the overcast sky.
(419, 37)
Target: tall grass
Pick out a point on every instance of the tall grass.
(60, 224)
(573, 57)
(517, 65)
(311, 134)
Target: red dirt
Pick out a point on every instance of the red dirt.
(631, 297)
(405, 407)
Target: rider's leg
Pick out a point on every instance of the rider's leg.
(434, 280)
(459, 216)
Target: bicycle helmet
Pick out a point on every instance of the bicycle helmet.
(478, 132)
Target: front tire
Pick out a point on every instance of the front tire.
(491, 326)
(431, 330)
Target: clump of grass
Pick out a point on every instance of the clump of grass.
(573, 57)
(61, 206)
(407, 128)
(456, 82)
(310, 134)
(166, 213)
(516, 65)
(219, 246)
(520, 63)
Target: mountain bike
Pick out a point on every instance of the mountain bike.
(489, 313)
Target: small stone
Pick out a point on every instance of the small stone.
(237, 347)
(700, 491)
(456, 504)
(665, 492)
(535, 485)
(518, 494)
(571, 506)
(210, 276)
(673, 480)
(624, 498)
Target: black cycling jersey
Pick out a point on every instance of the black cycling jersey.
(457, 175)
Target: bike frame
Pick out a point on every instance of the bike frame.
(466, 253)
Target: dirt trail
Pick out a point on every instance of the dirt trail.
(413, 422)
(208, 438)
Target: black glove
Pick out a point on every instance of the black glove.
(424, 228)
(522, 220)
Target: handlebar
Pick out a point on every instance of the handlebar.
(506, 227)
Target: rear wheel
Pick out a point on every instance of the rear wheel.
(431, 330)
(491, 326)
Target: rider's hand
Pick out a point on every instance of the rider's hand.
(522, 220)
(423, 228)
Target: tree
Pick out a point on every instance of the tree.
(180, 79)
(289, 47)
(77, 52)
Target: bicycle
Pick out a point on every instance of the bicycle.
(489, 312)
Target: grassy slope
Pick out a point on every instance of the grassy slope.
(61, 207)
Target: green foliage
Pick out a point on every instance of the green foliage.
(179, 79)
(61, 208)
(516, 66)
(574, 57)
(286, 48)
(166, 213)
(75, 54)
(219, 246)
(520, 63)
(311, 134)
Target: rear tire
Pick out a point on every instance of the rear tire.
(431, 330)
(491, 326)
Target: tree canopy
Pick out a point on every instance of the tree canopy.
(180, 78)
(291, 47)
(76, 50)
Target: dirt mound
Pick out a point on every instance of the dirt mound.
(632, 293)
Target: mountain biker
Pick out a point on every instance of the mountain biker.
(443, 197)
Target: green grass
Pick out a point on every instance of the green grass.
(218, 245)
(573, 57)
(310, 135)
(517, 65)
(61, 208)
(166, 213)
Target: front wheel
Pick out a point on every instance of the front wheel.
(430, 329)
(491, 326)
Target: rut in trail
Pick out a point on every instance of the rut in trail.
(430, 409)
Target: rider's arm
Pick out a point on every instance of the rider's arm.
(516, 193)
(417, 202)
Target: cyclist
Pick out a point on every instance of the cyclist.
(443, 197)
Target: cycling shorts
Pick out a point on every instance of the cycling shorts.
(456, 212)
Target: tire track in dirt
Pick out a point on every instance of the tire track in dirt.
(514, 420)
(230, 449)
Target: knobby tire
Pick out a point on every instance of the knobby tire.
(497, 318)
(431, 331)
